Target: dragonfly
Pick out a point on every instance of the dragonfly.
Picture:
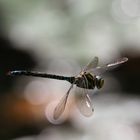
(89, 78)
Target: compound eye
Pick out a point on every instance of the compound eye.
(100, 83)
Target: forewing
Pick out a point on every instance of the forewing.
(117, 62)
(101, 69)
(59, 109)
(92, 64)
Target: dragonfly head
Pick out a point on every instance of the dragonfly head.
(99, 82)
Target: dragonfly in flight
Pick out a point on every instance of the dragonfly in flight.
(87, 79)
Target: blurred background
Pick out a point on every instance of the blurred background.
(60, 37)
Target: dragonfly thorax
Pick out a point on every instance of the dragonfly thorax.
(88, 81)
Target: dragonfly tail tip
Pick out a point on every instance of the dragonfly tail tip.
(9, 73)
(12, 73)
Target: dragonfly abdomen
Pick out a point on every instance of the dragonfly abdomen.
(41, 74)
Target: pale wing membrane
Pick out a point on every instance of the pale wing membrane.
(59, 109)
(83, 101)
(92, 64)
(101, 69)
(84, 105)
(118, 62)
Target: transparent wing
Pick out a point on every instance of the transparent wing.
(84, 105)
(101, 69)
(92, 64)
(59, 109)
(83, 101)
